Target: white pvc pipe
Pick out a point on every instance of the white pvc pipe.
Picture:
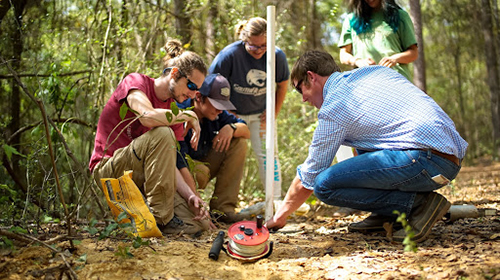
(270, 111)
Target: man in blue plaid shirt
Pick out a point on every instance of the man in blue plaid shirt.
(408, 147)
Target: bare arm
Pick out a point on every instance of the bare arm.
(241, 131)
(281, 89)
(346, 57)
(294, 198)
(188, 178)
(226, 134)
(408, 56)
(153, 117)
(195, 203)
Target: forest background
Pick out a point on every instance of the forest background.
(60, 60)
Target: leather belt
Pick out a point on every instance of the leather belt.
(449, 157)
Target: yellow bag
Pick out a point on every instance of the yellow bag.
(123, 195)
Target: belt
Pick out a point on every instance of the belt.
(449, 157)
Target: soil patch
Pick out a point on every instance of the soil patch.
(315, 246)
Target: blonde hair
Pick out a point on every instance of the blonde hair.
(186, 61)
(253, 27)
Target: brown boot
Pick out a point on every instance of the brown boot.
(429, 210)
(176, 226)
(373, 223)
(231, 217)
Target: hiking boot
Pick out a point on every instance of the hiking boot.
(176, 225)
(345, 211)
(373, 223)
(427, 210)
(231, 217)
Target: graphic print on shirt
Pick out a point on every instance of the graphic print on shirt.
(256, 79)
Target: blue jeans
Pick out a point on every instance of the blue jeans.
(382, 181)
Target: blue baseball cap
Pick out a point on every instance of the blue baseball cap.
(217, 89)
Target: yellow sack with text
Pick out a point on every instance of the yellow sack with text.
(123, 195)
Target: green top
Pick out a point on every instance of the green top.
(381, 41)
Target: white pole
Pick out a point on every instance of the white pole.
(270, 111)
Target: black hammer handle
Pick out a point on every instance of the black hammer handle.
(216, 246)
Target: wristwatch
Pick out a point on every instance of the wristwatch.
(233, 126)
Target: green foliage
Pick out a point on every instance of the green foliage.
(123, 251)
(75, 53)
(410, 245)
(137, 242)
(9, 151)
(123, 110)
(6, 243)
(117, 229)
(81, 261)
(112, 229)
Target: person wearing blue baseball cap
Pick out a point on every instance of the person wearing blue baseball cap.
(221, 148)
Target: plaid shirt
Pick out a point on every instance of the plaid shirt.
(375, 108)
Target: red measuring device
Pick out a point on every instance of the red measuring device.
(248, 240)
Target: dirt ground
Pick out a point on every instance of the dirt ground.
(315, 246)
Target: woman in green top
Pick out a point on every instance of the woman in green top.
(378, 32)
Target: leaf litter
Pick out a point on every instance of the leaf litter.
(314, 246)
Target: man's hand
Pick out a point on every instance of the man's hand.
(199, 208)
(223, 139)
(192, 123)
(273, 224)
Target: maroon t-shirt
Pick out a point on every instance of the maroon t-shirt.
(109, 121)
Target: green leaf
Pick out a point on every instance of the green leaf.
(121, 216)
(138, 242)
(47, 219)
(123, 110)
(8, 242)
(82, 258)
(17, 229)
(169, 116)
(174, 108)
(91, 230)
(9, 150)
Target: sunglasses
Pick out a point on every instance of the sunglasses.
(190, 85)
(297, 87)
(254, 48)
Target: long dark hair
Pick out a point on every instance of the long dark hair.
(361, 22)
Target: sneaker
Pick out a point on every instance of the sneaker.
(424, 215)
(373, 223)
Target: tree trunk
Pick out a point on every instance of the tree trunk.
(314, 40)
(210, 30)
(4, 8)
(15, 95)
(182, 22)
(492, 64)
(123, 26)
(419, 64)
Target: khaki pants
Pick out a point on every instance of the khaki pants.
(227, 167)
(152, 158)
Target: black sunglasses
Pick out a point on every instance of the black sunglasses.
(297, 87)
(190, 85)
